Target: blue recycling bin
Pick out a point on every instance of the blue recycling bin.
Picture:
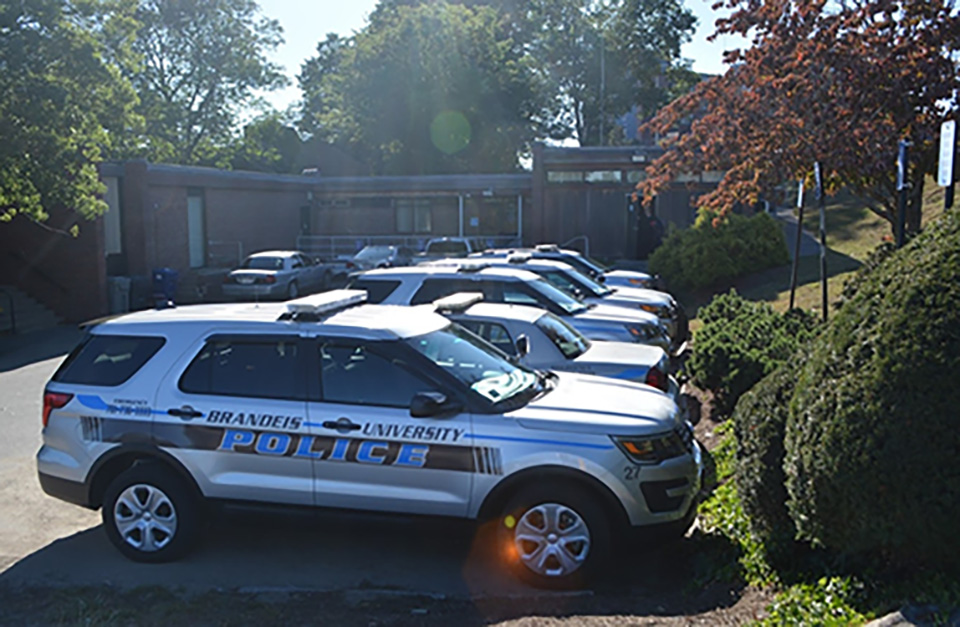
(164, 284)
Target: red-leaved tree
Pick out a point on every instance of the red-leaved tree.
(835, 82)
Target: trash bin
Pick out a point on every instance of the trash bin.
(164, 284)
(119, 294)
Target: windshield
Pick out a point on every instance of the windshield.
(480, 366)
(571, 342)
(373, 252)
(566, 302)
(584, 264)
(572, 282)
(263, 263)
(447, 247)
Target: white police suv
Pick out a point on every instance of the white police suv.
(426, 283)
(325, 402)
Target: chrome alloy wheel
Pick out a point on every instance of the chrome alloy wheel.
(552, 540)
(145, 518)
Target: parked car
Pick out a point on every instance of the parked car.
(583, 263)
(282, 274)
(371, 257)
(567, 278)
(325, 402)
(417, 285)
(447, 247)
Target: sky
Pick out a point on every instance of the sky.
(305, 24)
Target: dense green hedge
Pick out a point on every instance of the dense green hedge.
(759, 421)
(740, 342)
(704, 255)
(872, 443)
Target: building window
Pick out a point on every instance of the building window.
(603, 176)
(414, 216)
(635, 176)
(196, 229)
(560, 176)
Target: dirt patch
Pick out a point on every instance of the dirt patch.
(713, 605)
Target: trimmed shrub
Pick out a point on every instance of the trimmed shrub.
(759, 422)
(704, 255)
(872, 442)
(740, 342)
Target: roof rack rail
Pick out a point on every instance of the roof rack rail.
(311, 308)
(461, 301)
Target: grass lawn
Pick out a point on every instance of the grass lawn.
(853, 232)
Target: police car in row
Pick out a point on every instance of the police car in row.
(324, 401)
(584, 263)
(565, 277)
(424, 284)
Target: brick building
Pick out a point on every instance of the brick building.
(200, 221)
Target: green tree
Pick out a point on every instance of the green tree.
(200, 63)
(61, 106)
(267, 144)
(433, 88)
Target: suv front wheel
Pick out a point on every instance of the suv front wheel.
(555, 536)
(150, 514)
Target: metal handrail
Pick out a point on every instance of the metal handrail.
(586, 243)
(13, 317)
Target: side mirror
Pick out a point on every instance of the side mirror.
(523, 346)
(297, 265)
(600, 278)
(430, 404)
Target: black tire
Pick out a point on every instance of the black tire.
(173, 507)
(293, 290)
(533, 501)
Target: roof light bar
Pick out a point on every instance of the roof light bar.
(472, 267)
(325, 302)
(461, 301)
(547, 248)
(519, 258)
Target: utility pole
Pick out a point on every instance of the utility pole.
(822, 200)
(796, 248)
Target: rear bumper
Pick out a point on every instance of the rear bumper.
(66, 490)
(274, 290)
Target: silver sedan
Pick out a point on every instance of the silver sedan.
(283, 274)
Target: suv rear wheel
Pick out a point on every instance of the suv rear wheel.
(555, 536)
(150, 514)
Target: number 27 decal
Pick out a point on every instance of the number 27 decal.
(631, 473)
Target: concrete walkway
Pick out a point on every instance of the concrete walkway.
(809, 247)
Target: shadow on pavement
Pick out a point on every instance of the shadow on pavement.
(17, 351)
(258, 553)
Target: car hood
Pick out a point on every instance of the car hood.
(600, 406)
(627, 275)
(642, 293)
(639, 357)
(614, 314)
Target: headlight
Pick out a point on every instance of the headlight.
(661, 312)
(652, 449)
(639, 333)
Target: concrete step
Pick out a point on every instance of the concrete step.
(20, 313)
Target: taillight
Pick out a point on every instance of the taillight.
(351, 265)
(270, 279)
(227, 279)
(51, 401)
(657, 379)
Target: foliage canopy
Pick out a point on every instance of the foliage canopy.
(835, 83)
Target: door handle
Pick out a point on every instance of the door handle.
(186, 412)
(341, 424)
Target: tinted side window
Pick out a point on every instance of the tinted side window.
(432, 289)
(107, 359)
(517, 294)
(354, 374)
(492, 332)
(377, 291)
(262, 369)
